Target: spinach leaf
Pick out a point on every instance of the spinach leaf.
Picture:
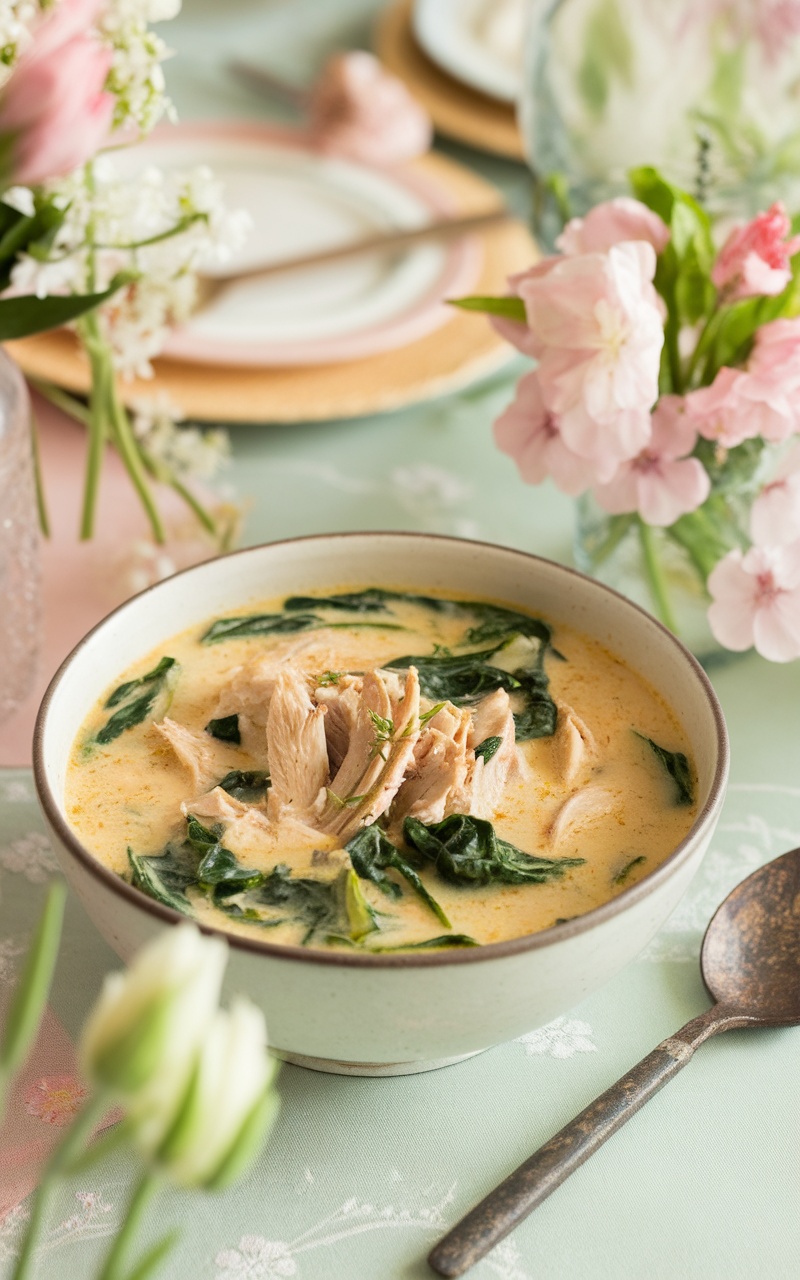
(444, 940)
(166, 876)
(678, 768)
(622, 875)
(499, 624)
(156, 687)
(539, 716)
(486, 749)
(226, 729)
(456, 679)
(335, 907)
(257, 624)
(372, 854)
(247, 785)
(218, 868)
(466, 850)
(373, 600)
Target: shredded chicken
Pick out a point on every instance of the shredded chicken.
(574, 744)
(296, 746)
(216, 805)
(438, 769)
(482, 789)
(195, 751)
(581, 807)
(341, 702)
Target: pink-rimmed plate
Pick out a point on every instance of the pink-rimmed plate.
(301, 201)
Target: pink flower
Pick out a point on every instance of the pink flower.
(610, 223)
(741, 404)
(661, 483)
(775, 514)
(360, 110)
(754, 260)
(530, 434)
(53, 108)
(55, 1099)
(777, 23)
(756, 601)
(597, 333)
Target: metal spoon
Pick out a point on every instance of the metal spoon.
(750, 962)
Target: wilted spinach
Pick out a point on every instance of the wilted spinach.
(137, 699)
(165, 877)
(336, 908)
(677, 766)
(372, 854)
(257, 624)
(462, 678)
(218, 869)
(225, 729)
(486, 749)
(623, 874)
(467, 850)
(444, 940)
(500, 624)
(247, 785)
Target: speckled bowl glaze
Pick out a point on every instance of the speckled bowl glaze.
(393, 1014)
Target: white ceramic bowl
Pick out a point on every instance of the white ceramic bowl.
(393, 1014)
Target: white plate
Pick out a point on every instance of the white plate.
(477, 41)
(301, 202)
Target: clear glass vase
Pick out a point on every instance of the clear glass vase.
(659, 571)
(20, 573)
(705, 90)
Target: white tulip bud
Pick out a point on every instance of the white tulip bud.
(142, 1037)
(229, 1104)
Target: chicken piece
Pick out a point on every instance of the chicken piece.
(194, 750)
(574, 744)
(341, 702)
(482, 790)
(581, 807)
(216, 805)
(298, 753)
(374, 768)
(438, 769)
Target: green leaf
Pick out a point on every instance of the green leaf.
(430, 944)
(622, 875)
(510, 308)
(677, 766)
(165, 877)
(455, 679)
(501, 624)
(373, 854)
(257, 624)
(247, 785)
(226, 729)
(22, 316)
(607, 53)
(157, 687)
(486, 749)
(30, 997)
(360, 915)
(466, 850)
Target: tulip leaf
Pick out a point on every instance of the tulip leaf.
(373, 854)
(27, 314)
(510, 308)
(677, 766)
(466, 850)
(30, 997)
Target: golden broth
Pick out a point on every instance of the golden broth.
(622, 817)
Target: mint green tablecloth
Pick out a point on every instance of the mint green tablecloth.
(362, 1176)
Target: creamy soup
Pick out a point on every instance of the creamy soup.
(380, 771)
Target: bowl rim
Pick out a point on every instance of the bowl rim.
(556, 933)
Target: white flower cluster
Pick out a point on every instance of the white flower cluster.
(162, 226)
(185, 452)
(16, 20)
(136, 78)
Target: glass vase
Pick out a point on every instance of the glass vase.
(704, 90)
(20, 574)
(658, 571)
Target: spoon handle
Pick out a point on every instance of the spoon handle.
(535, 1179)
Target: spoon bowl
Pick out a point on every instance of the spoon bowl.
(750, 959)
(750, 962)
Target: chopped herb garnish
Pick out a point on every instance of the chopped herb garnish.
(329, 677)
(622, 875)
(428, 715)
(384, 732)
(349, 802)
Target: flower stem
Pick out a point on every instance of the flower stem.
(41, 500)
(90, 335)
(144, 1191)
(76, 1137)
(654, 572)
(62, 400)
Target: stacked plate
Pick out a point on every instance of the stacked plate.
(463, 60)
(327, 341)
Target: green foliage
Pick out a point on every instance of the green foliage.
(623, 874)
(135, 700)
(166, 876)
(467, 850)
(677, 766)
(226, 729)
(510, 308)
(607, 55)
(431, 944)
(247, 785)
(489, 747)
(373, 855)
(257, 624)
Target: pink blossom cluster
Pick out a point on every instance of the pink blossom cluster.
(589, 415)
